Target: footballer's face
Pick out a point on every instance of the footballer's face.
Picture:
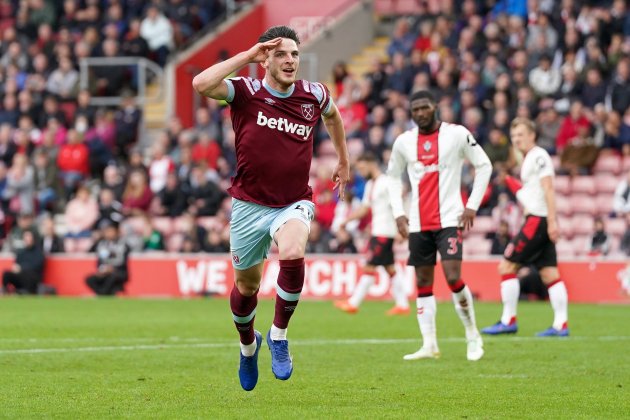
(423, 113)
(522, 138)
(282, 64)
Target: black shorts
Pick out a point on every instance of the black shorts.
(381, 251)
(423, 246)
(532, 246)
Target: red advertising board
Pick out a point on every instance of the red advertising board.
(327, 277)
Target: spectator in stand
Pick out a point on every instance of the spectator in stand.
(570, 125)
(173, 198)
(108, 207)
(9, 113)
(206, 151)
(594, 89)
(182, 19)
(339, 75)
(318, 240)
(127, 120)
(83, 106)
(498, 148)
(152, 239)
(113, 180)
(599, 243)
(45, 180)
(133, 44)
(214, 242)
(28, 269)
(64, 80)
(20, 188)
(73, 162)
(112, 253)
(618, 96)
(110, 80)
(621, 199)
(80, 215)
(7, 147)
(158, 32)
(191, 231)
(403, 39)
(50, 242)
(205, 124)
(548, 123)
(205, 196)
(137, 196)
(51, 111)
(544, 79)
(161, 166)
(14, 240)
(624, 245)
(500, 239)
(612, 134)
(344, 243)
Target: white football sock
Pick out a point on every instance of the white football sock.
(278, 333)
(361, 290)
(559, 302)
(426, 320)
(463, 301)
(510, 289)
(398, 290)
(248, 350)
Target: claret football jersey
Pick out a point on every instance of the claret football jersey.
(274, 139)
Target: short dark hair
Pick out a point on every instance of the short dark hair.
(422, 94)
(279, 32)
(367, 157)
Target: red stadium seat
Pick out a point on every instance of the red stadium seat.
(566, 228)
(583, 184)
(556, 162)
(209, 222)
(477, 245)
(174, 242)
(583, 204)
(604, 204)
(606, 183)
(134, 224)
(563, 206)
(610, 164)
(483, 224)
(616, 226)
(625, 166)
(581, 245)
(164, 225)
(582, 225)
(562, 184)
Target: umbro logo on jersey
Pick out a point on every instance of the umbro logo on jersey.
(270, 101)
(284, 125)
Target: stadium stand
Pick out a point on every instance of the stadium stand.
(487, 62)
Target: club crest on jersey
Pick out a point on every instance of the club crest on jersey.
(308, 110)
(427, 146)
(235, 258)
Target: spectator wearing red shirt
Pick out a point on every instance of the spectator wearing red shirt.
(206, 150)
(137, 196)
(73, 161)
(570, 126)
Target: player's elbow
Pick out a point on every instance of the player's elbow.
(197, 84)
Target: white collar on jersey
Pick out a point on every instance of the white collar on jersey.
(277, 93)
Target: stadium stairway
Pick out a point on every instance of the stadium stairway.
(361, 63)
(155, 111)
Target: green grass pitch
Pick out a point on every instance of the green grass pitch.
(124, 358)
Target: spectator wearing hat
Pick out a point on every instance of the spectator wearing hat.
(27, 271)
(112, 254)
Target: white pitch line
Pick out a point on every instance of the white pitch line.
(314, 342)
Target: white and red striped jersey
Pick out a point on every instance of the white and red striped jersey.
(536, 166)
(434, 163)
(376, 197)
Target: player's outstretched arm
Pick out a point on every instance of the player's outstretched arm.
(550, 199)
(210, 81)
(334, 126)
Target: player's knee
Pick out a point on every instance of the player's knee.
(506, 267)
(246, 288)
(424, 282)
(292, 251)
(549, 274)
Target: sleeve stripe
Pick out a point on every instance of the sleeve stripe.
(324, 95)
(249, 85)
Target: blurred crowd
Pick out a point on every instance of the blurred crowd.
(66, 166)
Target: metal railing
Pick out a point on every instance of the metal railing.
(144, 67)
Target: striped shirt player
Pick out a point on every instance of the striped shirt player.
(274, 120)
(535, 242)
(433, 155)
(381, 246)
